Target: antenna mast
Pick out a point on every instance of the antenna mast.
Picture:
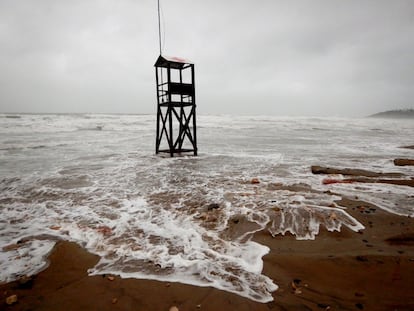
(159, 25)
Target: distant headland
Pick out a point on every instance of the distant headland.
(401, 113)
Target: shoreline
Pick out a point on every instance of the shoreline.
(371, 269)
(345, 270)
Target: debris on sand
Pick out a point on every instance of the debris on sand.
(11, 300)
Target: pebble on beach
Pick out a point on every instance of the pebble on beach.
(11, 299)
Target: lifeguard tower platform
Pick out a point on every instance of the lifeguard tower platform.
(176, 111)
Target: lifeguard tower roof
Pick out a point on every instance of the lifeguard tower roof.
(172, 62)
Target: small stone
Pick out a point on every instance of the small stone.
(361, 258)
(174, 308)
(255, 181)
(54, 227)
(211, 218)
(295, 286)
(114, 300)
(235, 221)
(111, 278)
(11, 299)
(212, 206)
(298, 291)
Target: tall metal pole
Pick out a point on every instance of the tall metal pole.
(159, 25)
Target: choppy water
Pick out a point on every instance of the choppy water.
(94, 179)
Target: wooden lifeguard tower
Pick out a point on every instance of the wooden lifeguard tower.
(176, 111)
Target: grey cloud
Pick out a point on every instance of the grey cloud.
(279, 57)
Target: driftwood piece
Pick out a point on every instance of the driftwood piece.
(407, 147)
(399, 182)
(351, 172)
(403, 162)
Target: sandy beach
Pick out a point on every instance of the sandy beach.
(368, 270)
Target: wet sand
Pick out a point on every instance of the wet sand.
(369, 270)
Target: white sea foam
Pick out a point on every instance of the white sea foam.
(184, 219)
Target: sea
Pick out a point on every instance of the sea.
(95, 179)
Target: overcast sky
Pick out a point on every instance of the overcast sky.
(322, 58)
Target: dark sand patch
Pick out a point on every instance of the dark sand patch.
(402, 239)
